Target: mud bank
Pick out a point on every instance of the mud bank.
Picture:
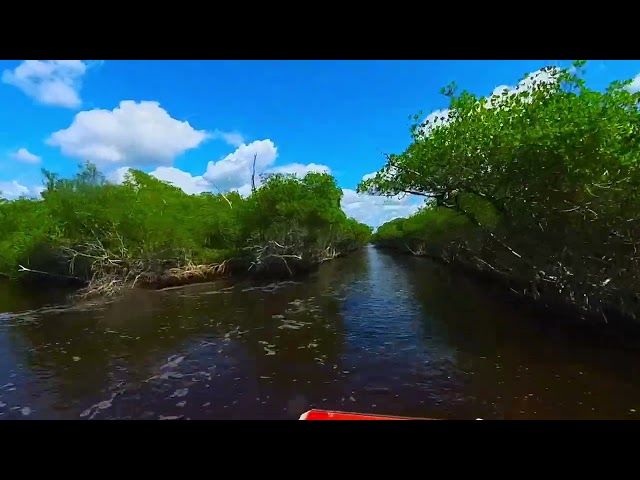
(276, 268)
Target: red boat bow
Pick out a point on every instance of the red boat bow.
(331, 415)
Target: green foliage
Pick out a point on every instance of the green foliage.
(432, 224)
(304, 212)
(85, 218)
(549, 177)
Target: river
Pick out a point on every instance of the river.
(371, 332)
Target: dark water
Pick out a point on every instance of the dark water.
(369, 333)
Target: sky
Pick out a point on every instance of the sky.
(198, 124)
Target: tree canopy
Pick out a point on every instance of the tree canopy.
(85, 226)
(547, 174)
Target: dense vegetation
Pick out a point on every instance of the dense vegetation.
(148, 232)
(538, 185)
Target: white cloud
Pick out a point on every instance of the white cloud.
(50, 82)
(234, 171)
(244, 190)
(13, 189)
(190, 184)
(634, 86)
(232, 138)
(24, 155)
(369, 176)
(375, 210)
(133, 134)
(118, 175)
(299, 169)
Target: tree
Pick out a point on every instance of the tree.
(548, 173)
(145, 229)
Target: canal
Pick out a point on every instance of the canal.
(371, 332)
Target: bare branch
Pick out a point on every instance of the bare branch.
(253, 174)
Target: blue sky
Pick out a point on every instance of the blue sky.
(199, 123)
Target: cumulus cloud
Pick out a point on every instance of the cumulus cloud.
(118, 175)
(245, 190)
(14, 189)
(369, 176)
(50, 82)
(634, 86)
(134, 133)
(190, 184)
(234, 170)
(232, 138)
(375, 210)
(232, 173)
(24, 155)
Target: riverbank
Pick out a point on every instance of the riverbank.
(266, 263)
(103, 237)
(270, 267)
(611, 321)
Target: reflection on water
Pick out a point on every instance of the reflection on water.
(370, 333)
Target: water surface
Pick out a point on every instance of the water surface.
(370, 333)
